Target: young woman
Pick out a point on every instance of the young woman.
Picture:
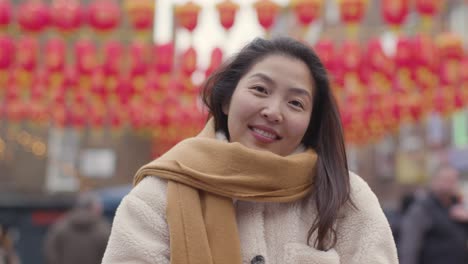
(266, 181)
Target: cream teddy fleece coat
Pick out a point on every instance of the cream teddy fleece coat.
(275, 231)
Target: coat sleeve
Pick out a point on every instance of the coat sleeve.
(140, 234)
(363, 233)
(413, 227)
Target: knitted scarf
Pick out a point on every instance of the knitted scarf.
(204, 175)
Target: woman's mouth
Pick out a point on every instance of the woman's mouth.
(264, 134)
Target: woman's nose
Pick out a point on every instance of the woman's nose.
(272, 114)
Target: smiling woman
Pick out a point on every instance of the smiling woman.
(266, 181)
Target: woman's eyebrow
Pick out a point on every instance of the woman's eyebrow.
(300, 91)
(262, 76)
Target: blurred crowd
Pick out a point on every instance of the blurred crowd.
(430, 227)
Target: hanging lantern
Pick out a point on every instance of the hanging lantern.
(138, 67)
(85, 56)
(27, 58)
(79, 114)
(227, 13)
(113, 58)
(125, 90)
(5, 14)
(55, 53)
(378, 61)
(7, 57)
(187, 15)
(307, 11)
(104, 15)
(85, 64)
(26, 64)
(215, 62)
(267, 11)
(325, 49)
(404, 62)
(164, 57)
(395, 12)
(33, 16)
(425, 63)
(352, 55)
(141, 14)
(7, 52)
(351, 68)
(428, 9)
(67, 15)
(450, 47)
(189, 61)
(352, 13)
(139, 58)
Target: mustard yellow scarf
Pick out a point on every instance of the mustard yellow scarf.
(204, 175)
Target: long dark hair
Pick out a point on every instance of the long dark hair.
(324, 133)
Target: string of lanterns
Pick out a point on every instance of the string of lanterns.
(74, 79)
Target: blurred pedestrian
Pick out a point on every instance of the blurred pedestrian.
(80, 236)
(7, 251)
(434, 229)
(266, 181)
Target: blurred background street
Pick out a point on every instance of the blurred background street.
(92, 90)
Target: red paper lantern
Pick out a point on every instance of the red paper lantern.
(189, 61)
(79, 114)
(325, 49)
(5, 13)
(67, 15)
(425, 62)
(27, 58)
(395, 12)
(113, 58)
(450, 47)
(404, 56)
(227, 13)
(352, 11)
(7, 52)
(215, 62)
(139, 58)
(428, 7)
(267, 11)
(164, 57)
(307, 11)
(33, 16)
(55, 54)
(141, 13)
(377, 60)
(463, 67)
(85, 57)
(104, 15)
(187, 15)
(404, 64)
(351, 55)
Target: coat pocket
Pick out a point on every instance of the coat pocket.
(296, 253)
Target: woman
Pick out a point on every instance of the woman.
(266, 181)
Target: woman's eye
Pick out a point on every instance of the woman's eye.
(260, 89)
(297, 104)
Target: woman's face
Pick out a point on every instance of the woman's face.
(271, 106)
